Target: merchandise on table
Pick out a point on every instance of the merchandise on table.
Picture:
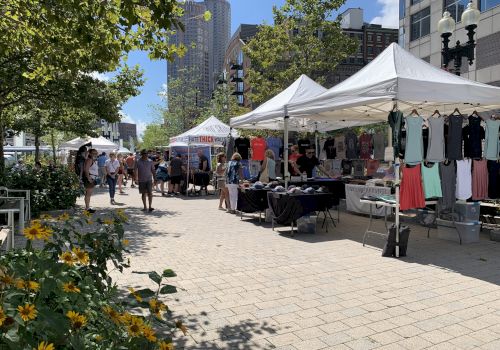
(378, 145)
(454, 140)
(346, 167)
(351, 141)
(336, 167)
(473, 134)
(372, 167)
(414, 150)
(435, 149)
(258, 145)
(241, 145)
(448, 185)
(358, 167)
(432, 182)
(365, 145)
(412, 194)
(464, 179)
(340, 147)
(479, 179)
(491, 143)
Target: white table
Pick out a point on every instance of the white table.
(11, 206)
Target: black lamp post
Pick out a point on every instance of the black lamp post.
(446, 26)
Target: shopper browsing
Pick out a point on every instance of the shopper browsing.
(112, 167)
(144, 175)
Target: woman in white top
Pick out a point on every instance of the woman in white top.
(268, 169)
(112, 167)
(89, 177)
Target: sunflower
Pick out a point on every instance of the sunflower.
(108, 221)
(45, 346)
(115, 316)
(5, 278)
(156, 306)
(67, 258)
(2, 317)
(135, 294)
(34, 286)
(81, 255)
(33, 232)
(135, 327)
(165, 346)
(87, 213)
(70, 288)
(20, 284)
(121, 215)
(77, 320)
(149, 333)
(63, 217)
(27, 312)
(125, 242)
(98, 338)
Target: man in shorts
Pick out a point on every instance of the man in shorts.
(175, 171)
(130, 161)
(144, 175)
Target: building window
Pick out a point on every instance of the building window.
(485, 5)
(420, 24)
(413, 2)
(402, 9)
(456, 8)
(370, 50)
(388, 39)
(379, 38)
(240, 99)
(370, 37)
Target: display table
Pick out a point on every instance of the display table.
(287, 208)
(334, 186)
(252, 201)
(382, 206)
(354, 194)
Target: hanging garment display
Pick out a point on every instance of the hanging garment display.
(464, 179)
(425, 139)
(372, 167)
(259, 146)
(414, 150)
(337, 167)
(241, 145)
(479, 179)
(254, 167)
(365, 146)
(491, 143)
(246, 168)
(454, 140)
(378, 145)
(358, 167)
(435, 151)
(346, 167)
(395, 119)
(275, 144)
(473, 134)
(351, 141)
(448, 185)
(229, 146)
(493, 175)
(412, 194)
(303, 145)
(340, 148)
(432, 182)
(329, 148)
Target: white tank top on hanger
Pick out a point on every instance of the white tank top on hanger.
(464, 179)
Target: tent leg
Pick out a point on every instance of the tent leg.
(285, 147)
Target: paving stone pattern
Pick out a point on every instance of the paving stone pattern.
(243, 286)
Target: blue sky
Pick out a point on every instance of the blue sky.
(138, 109)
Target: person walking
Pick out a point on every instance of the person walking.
(89, 177)
(121, 173)
(234, 175)
(112, 166)
(130, 160)
(162, 175)
(220, 172)
(144, 175)
(101, 163)
(175, 170)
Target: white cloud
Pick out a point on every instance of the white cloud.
(389, 14)
(99, 76)
(141, 126)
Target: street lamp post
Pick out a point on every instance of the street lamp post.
(446, 26)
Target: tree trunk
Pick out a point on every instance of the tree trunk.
(53, 143)
(37, 147)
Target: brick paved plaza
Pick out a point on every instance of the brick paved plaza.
(247, 287)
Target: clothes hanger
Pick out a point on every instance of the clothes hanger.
(475, 114)
(456, 111)
(414, 112)
(436, 112)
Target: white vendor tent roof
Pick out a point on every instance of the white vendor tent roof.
(397, 75)
(270, 114)
(99, 143)
(211, 132)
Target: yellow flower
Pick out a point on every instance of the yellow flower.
(37, 231)
(136, 295)
(157, 306)
(45, 346)
(20, 284)
(2, 316)
(135, 327)
(126, 318)
(149, 333)
(108, 221)
(115, 316)
(87, 214)
(34, 286)
(77, 320)
(81, 255)
(5, 278)
(27, 312)
(121, 215)
(70, 288)
(165, 346)
(98, 338)
(63, 217)
(67, 258)
(125, 242)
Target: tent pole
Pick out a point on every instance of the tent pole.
(396, 174)
(316, 139)
(187, 172)
(285, 146)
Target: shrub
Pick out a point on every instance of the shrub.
(51, 189)
(62, 297)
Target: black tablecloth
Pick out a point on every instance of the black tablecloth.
(287, 208)
(251, 201)
(335, 187)
(200, 179)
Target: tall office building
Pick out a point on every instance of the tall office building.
(418, 21)
(206, 43)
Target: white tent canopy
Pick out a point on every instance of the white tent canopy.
(270, 114)
(211, 132)
(397, 75)
(99, 143)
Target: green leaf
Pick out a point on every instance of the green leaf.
(169, 273)
(168, 289)
(145, 293)
(154, 276)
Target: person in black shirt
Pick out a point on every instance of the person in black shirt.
(308, 162)
(202, 177)
(304, 144)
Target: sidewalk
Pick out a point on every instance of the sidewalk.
(243, 286)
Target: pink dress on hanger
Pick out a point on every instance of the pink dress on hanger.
(412, 194)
